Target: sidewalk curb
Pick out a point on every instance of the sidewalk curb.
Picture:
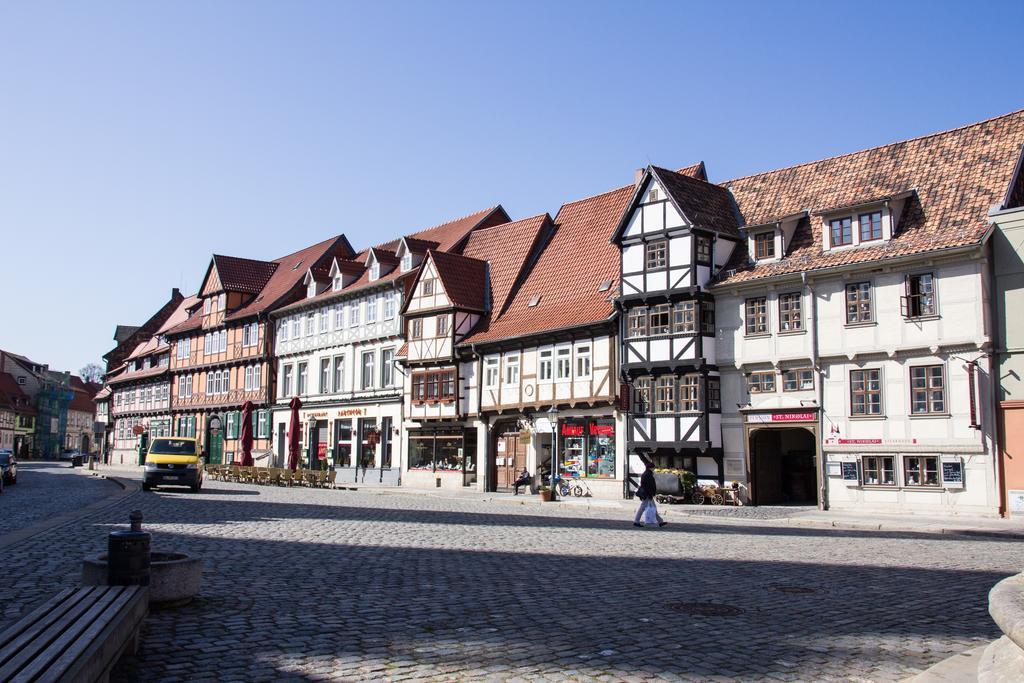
(41, 527)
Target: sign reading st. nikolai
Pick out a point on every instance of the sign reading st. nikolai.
(786, 416)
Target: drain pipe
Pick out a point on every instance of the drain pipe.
(820, 391)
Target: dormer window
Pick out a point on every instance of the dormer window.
(764, 245)
(375, 271)
(311, 290)
(336, 284)
(870, 226)
(841, 232)
(407, 262)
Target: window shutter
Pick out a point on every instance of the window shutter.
(255, 421)
(624, 397)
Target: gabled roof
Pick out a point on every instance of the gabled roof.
(122, 332)
(236, 274)
(153, 344)
(451, 235)
(567, 276)
(13, 396)
(697, 170)
(116, 356)
(82, 402)
(953, 179)
(286, 279)
(702, 204)
(415, 246)
(508, 249)
(463, 278)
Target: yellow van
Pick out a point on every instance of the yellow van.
(173, 460)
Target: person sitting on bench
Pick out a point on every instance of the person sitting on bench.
(523, 480)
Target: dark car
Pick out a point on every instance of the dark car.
(8, 466)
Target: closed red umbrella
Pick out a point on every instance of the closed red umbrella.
(247, 434)
(294, 434)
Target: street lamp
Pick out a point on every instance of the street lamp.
(553, 419)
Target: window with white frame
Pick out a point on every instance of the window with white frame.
(325, 375)
(248, 378)
(296, 327)
(339, 317)
(206, 306)
(207, 344)
(544, 364)
(371, 310)
(684, 317)
(303, 373)
(689, 393)
(368, 362)
(563, 363)
(209, 383)
(257, 379)
(387, 367)
(491, 370)
(336, 283)
(790, 316)
(339, 374)
(375, 271)
(263, 424)
(323, 319)
(282, 331)
(583, 365)
(512, 369)
(389, 306)
(310, 325)
(636, 325)
(407, 262)
(353, 313)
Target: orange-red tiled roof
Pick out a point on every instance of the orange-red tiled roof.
(13, 396)
(449, 236)
(243, 274)
(507, 249)
(82, 402)
(696, 170)
(568, 273)
(463, 279)
(957, 176)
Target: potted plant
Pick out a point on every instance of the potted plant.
(545, 494)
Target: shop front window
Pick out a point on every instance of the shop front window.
(367, 446)
(421, 452)
(449, 453)
(587, 448)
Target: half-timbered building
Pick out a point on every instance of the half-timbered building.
(138, 393)
(542, 366)
(222, 354)
(336, 350)
(676, 230)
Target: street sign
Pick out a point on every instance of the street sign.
(138, 430)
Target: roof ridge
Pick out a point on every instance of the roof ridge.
(241, 258)
(311, 246)
(412, 235)
(689, 178)
(505, 225)
(593, 196)
(870, 149)
(435, 252)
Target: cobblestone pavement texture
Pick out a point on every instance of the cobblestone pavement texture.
(338, 585)
(47, 489)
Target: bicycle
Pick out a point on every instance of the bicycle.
(573, 487)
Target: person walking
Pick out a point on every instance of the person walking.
(648, 488)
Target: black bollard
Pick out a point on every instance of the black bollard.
(128, 555)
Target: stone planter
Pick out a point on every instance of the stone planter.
(545, 496)
(174, 578)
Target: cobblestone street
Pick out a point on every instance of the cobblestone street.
(317, 584)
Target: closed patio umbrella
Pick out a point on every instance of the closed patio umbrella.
(294, 434)
(247, 434)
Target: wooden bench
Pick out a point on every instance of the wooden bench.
(77, 636)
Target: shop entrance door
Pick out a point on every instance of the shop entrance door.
(215, 441)
(782, 467)
(281, 431)
(510, 459)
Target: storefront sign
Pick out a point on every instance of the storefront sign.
(876, 442)
(572, 429)
(953, 472)
(321, 451)
(602, 430)
(767, 418)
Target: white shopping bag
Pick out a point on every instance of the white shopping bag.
(650, 517)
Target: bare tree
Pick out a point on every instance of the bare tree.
(93, 372)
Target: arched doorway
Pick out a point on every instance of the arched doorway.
(85, 444)
(215, 440)
(782, 466)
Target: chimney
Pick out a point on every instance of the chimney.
(638, 175)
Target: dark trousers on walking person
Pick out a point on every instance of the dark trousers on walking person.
(644, 504)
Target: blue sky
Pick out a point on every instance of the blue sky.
(136, 139)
